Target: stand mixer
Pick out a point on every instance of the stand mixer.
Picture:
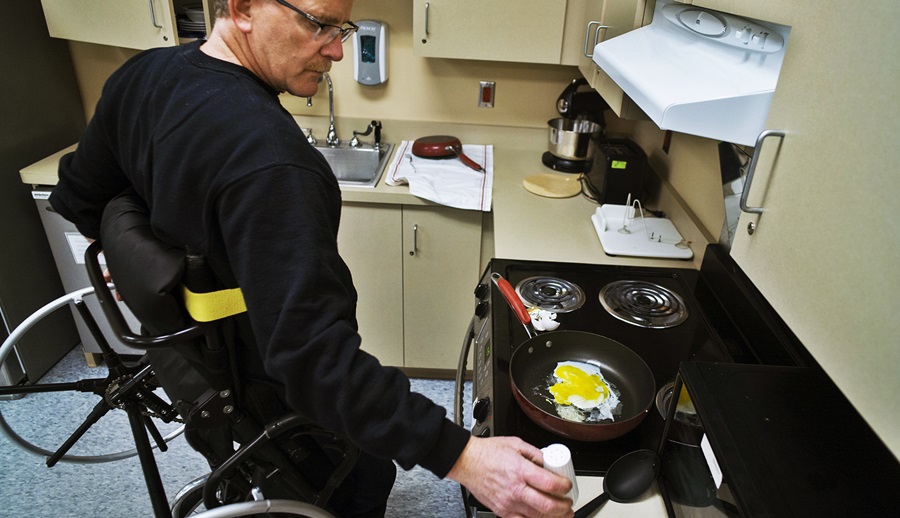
(570, 135)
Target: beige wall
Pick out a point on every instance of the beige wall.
(691, 168)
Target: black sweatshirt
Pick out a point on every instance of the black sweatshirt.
(226, 170)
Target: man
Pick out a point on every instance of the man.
(198, 132)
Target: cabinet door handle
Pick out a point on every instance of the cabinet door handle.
(427, 12)
(415, 244)
(588, 43)
(752, 169)
(153, 15)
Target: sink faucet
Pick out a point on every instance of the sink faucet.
(376, 125)
(331, 139)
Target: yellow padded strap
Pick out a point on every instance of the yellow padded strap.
(215, 305)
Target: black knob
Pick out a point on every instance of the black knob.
(481, 409)
(481, 309)
(485, 433)
(481, 291)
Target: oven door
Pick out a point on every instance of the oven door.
(773, 441)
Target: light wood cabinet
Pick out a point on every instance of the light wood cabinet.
(602, 20)
(134, 24)
(826, 247)
(441, 261)
(369, 241)
(524, 31)
(414, 269)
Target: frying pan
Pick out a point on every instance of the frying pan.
(533, 362)
(442, 146)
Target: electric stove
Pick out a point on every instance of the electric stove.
(666, 315)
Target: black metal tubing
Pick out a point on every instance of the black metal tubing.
(117, 320)
(261, 443)
(148, 462)
(85, 385)
(131, 395)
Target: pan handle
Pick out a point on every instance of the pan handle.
(466, 160)
(515, 303)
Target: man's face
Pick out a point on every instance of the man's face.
(289, 55)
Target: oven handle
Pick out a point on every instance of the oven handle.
(461, 374)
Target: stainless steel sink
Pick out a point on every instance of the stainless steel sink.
(359, 166)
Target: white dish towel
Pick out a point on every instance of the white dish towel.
(445, 181)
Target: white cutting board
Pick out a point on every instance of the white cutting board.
(666, 241)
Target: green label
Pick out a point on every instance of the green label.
(619, 164)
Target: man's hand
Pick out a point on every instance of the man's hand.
(504, 474)
(108, 278)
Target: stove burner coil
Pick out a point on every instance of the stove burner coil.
(643, 304)
(550, 294)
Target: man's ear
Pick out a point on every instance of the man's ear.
(241, 13)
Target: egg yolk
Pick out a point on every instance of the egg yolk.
(576, 382)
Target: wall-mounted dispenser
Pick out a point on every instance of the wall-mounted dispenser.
(698, 71)
(370, 52)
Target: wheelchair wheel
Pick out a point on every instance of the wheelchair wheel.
(263, 507)
(68, 390)
(189, 504)
(189, 499)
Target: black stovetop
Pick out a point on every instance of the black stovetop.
(708, 334)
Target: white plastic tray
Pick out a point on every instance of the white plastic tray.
(645, 237)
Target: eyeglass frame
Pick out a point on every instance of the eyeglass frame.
(345, 32)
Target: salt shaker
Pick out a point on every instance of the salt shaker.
(558, 459)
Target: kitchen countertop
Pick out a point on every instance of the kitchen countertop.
(649, 505)
(525, 226)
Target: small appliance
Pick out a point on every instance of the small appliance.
(581, 119)
(615, 173)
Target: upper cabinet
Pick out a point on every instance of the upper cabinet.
(593, 21)
(524, 31)
(135, 24)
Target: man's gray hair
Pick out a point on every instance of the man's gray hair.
(220, 8)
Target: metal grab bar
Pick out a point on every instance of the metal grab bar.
(752, 169)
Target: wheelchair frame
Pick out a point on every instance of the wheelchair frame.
(131, 388)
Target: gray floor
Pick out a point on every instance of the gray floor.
(116, 489)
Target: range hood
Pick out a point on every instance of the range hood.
(699, 71)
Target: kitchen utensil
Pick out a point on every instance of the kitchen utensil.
(553, 185)
(626, 480)
(534, 361)
(442, 146)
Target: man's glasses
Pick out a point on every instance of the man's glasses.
(326, 33)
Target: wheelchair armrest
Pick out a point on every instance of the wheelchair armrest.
(117, 320)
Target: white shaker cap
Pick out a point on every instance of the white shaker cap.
(558, 459)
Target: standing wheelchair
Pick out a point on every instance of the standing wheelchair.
(263, 463)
